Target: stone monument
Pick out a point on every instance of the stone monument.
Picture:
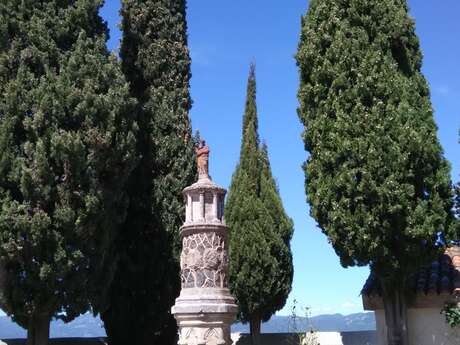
(205, 308)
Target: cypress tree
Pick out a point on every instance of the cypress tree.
(260, 258)
(456, 230)
(66, 150)
(284, 228)
(376, 178)
(156, 61)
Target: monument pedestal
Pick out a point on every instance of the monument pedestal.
(204, 318)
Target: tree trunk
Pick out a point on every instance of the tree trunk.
(395, 305)
(38, 332)
(3, 277)
(255, 330)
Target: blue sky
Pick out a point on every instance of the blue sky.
(224, 37)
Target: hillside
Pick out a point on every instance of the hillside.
(323, 323)
(83, 326)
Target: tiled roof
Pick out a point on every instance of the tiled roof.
(442, 276)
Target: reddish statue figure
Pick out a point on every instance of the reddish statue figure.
(202, 154)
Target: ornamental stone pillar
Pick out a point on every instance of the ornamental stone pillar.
(205, 308)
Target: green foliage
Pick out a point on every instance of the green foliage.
(156, 61)
(282, 228)
(451, 312)
(456, 223)
(456, 230)
(66, 151)
(376, 178)
(260, 258)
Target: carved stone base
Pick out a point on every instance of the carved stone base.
(211, 329)
(205, 317)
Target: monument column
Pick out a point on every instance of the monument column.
(205, 308)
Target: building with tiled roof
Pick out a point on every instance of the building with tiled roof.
(433, 287)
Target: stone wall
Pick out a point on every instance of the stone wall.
(66, 341)
(427, 326)
(324, 338)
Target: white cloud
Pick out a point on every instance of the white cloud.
(442, 89)
(348, 304)
(322, 310)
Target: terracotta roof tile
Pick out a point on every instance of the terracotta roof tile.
(443, 275)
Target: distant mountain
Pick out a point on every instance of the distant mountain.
(322, 323)
(347, 323)
(87, 326)
(9, 329)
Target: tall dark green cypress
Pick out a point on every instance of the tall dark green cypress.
(456, 230)
(283, 228)
(66, 151)
(156, 61)
(376, 178)
(260, 258)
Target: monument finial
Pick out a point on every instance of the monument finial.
(202, 158)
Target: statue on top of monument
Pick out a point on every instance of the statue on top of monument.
(202, 154)
(205, 308)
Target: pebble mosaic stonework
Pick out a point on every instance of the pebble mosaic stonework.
(205, 308)
(204, 261)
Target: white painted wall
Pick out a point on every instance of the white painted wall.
(329, 338)
(381, 327)
(427, 326)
